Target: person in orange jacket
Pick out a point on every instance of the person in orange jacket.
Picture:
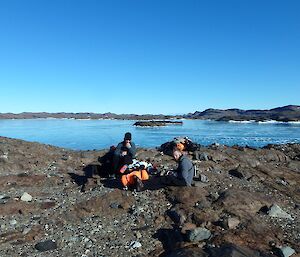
(134, 178)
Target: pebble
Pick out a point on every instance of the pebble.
(13, 222)
(26, 197)
(204, 178)
(232, 223)
(135, 244)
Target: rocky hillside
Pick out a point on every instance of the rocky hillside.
(87, 115)
(244, 202)
(286, 113)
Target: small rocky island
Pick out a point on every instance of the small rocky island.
(156, 123)
(245, 202)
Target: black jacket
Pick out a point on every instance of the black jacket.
(131, 150)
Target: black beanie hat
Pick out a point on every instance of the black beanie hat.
(127, 136)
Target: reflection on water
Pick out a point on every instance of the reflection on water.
(99, 134)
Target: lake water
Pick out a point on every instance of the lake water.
(100, 134)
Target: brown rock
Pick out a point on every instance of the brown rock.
(186, 195)
(187, 227)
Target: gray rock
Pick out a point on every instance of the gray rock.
(204, 178)
(4, 199)
(26, 197)
(26, 231)
(214, 196)
(287, 251)
(276, 212)
(13, 222)
(135, 244)
(114, 205)
(46, 245)
(198, 234)
(200, 156)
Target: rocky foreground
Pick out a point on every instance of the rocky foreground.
(245, 202)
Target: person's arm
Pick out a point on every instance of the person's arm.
(183, 170)
(132, 149)
(118, 149)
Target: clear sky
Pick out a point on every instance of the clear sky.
(148, 56)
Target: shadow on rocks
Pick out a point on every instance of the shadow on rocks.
(112, 183)
(79, 180)
(171, 239)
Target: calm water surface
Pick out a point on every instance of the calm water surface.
(100, 134)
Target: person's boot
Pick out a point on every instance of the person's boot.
(138, 184)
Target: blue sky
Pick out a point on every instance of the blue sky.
(148, 56)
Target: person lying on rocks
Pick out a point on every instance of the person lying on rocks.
(124, 153)
(133, 177)
(183, 175)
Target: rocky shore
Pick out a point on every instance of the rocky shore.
(244, 202)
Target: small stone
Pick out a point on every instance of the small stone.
(214, 196)
(198, 234)
(204, 178)
(135, 244)
(287, 251)
(188, 227)
(26, 197)
(276, 212)
(26, 231)
(217, 171)
(4, 199)
(232, 223)
(13, 222)
(138, 235)
(114, 205)
(46, 245)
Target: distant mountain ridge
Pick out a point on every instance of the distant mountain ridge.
(285, 114)
(82, 115)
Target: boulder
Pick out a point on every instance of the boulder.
(198, 234)
(276, 212)
(46, 245)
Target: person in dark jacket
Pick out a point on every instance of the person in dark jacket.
(184, 174)
(124, 153)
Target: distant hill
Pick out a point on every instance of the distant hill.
(86, 115)
(285, 113)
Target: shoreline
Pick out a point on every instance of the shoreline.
(150, 148)
(266, 121)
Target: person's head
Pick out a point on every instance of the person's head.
(177, 154)
(127, 137)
